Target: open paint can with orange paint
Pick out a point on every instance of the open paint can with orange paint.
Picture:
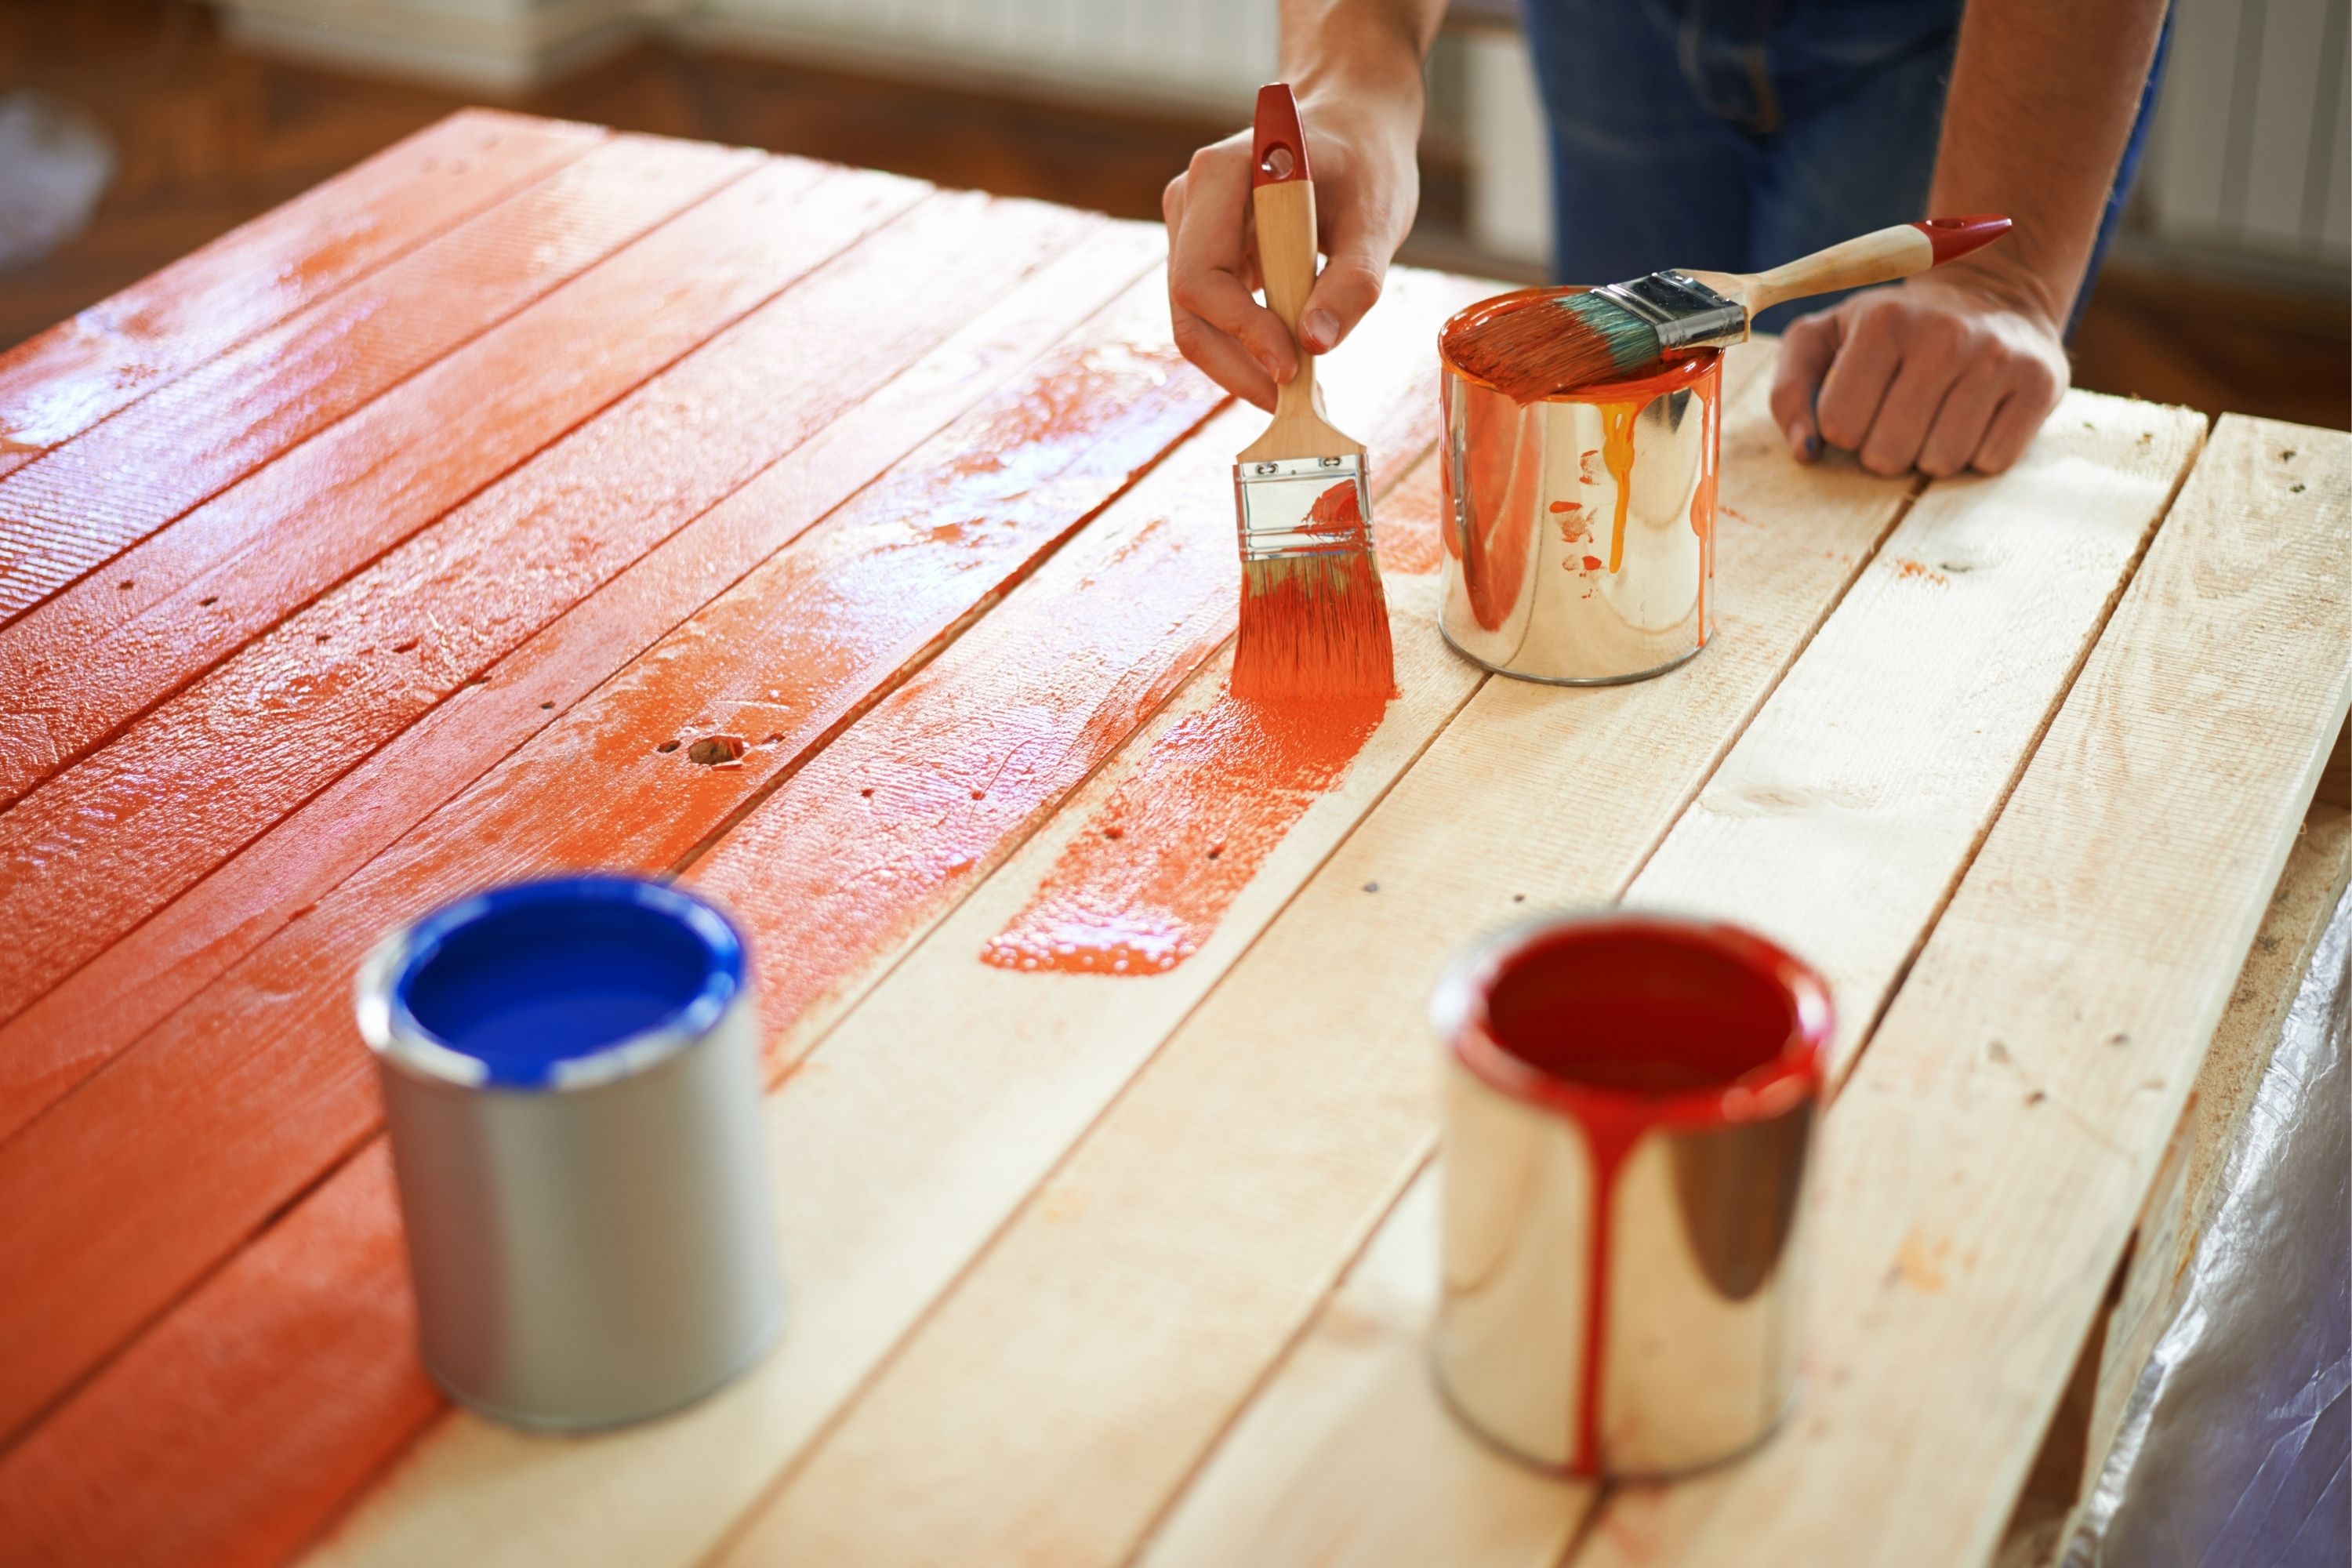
(1580, 528)
(570, 1073)
(1630, 1106)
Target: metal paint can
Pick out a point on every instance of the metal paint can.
(1629, 1104)
(1580, 529)
(570, 1074)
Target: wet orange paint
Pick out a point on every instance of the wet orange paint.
(115, 484)
(315, 696)
(1701, 506)
(1317, 628)
(1617, 453)
(60, 383)
(1145, 882)
(97, 655)
(269, 1086)
(1919, 570)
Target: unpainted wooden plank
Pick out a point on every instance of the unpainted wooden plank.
(77, 506)
(58, 384)
(1143, 1288)
(1990, 1153)
(99, 848)
(268, 1085)
(1840, 823)
(95, 657)
(1142, 598)
(1837, 825)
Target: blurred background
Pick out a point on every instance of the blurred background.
(133, 131)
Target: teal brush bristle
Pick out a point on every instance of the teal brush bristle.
(1553, 345)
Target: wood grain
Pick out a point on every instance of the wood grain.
(58, 384)
(267, 1086)
(97, 655)
(80, 504)
(1147, 592)
(1991, 1150)
(319, 693)
(1136, 1297)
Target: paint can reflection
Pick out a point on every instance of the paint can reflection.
(1580, 529)
(570, 1078)
(1630, 1103)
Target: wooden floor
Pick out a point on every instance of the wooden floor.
(207, 137)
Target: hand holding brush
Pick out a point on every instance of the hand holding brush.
(1531, 349)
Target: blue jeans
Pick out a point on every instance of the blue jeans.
(1737, 134)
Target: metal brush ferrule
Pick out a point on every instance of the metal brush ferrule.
(1685, 313)
(1274, 503)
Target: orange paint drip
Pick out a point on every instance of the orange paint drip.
(1617, 452)
(1702, 511)
(1316, 626)
(1146, 881)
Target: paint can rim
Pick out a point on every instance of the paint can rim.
(387, 981)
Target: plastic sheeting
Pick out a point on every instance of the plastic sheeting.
(2236, 1444)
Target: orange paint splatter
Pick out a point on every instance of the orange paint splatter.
(1565, 506)
(1592, 564)
(1144, 884)
(1904, 568)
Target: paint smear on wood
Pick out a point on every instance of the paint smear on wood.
(1144, 883)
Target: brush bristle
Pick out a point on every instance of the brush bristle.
(1552, 346)
(1315, 626)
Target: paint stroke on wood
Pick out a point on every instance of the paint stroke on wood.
(97, 849)
(81, 504)
(126, 990)
(97, 655)
(670, 1492)
(1203, 1217)
(1837, 825)
(59, 384)
(1983, 1197)
(269, 1086)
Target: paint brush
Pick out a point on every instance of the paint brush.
(1536, 348)
(1314, 621)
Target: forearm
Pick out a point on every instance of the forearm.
(2042, 102)
(1365, 52)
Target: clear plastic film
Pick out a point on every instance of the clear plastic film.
(2236, 1444)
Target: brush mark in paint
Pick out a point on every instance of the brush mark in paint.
(1144, 883)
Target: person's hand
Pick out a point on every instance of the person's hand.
(1367, 185)
(1943, 373)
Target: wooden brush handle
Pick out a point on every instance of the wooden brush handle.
(1879, 258)
(1282, 198)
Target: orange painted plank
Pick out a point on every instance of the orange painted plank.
(878, 836)
(109, 1002)
(162, 1489)
(100, 847)
(137, 1184)
(85, 501)
(59, 384)
(92, 658)
(1164, 551)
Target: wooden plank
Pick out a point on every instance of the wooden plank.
(2028, 563)
(267, 1088)
(127, 989)
(1141, 597)
(1982, 1197)
(99, 848)
(60, 383)
(72, 509)
(95, 657)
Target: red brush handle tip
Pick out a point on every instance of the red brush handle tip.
(1278, 147)
(1955, 236)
